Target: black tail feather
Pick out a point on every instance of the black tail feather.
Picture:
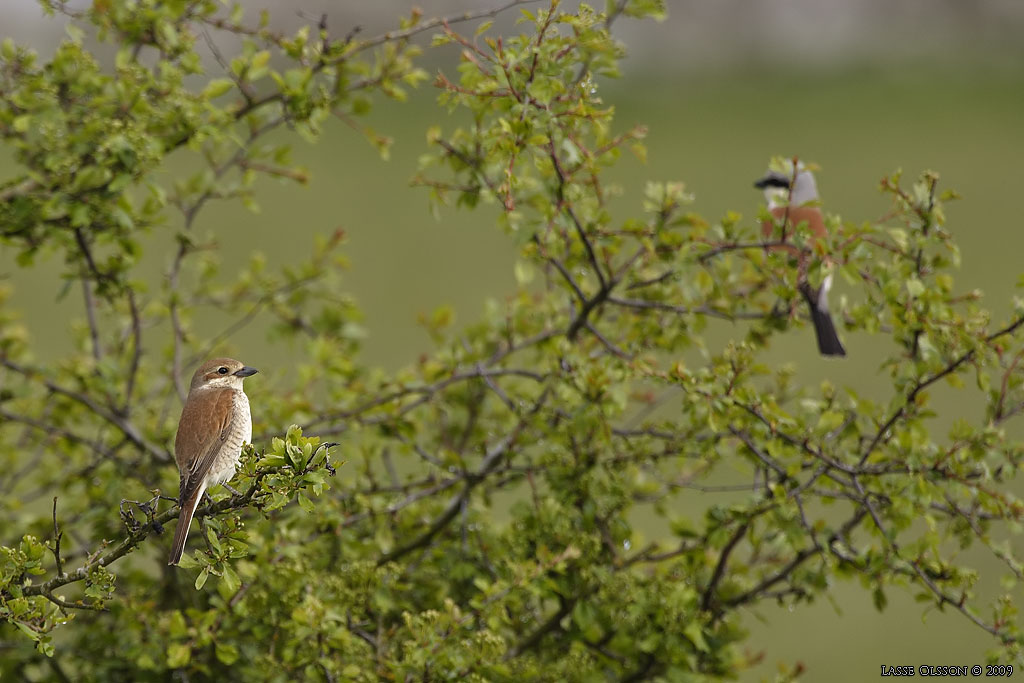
(824, 327)
(825, 330)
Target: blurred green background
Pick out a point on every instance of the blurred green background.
(717, 108)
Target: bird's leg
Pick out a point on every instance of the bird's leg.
(229, 488)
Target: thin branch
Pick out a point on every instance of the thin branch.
(123, 424)
(957, 604)
(772, 579)
(759, 454)
(490, 462)
(248, 317)
(723, 560)
(78, 604)
(455, 504)
(426, 391)
(90, 316)
(56, 540)
(178, 336)
(925, 383)
(155, 523)
(741, 246)
(617, 9)
(56, 430)
(644, 304)
(20, 189)
(564, 272)
(392, 36)
(564, 205)
(553, 622)
(608, 344)
(396, 507)
(133, 368)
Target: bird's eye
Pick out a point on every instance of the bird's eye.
(222, 370)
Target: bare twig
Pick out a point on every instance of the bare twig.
(90, 316)
(56, 540)
(133, 367)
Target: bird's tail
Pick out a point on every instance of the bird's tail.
(188, 509)
(824, 327)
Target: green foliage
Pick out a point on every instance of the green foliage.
(482, 527)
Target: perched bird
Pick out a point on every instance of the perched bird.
(214, 424)
(790, 199)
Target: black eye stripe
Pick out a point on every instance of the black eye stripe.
(772, 181)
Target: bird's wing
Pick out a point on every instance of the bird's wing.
(205, 425)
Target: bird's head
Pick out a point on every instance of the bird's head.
(221, 372)
(788, 180)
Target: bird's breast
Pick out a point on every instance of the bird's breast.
(224, 466)
(241, 406)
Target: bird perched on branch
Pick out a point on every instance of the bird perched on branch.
(792, 196)
(214, 424)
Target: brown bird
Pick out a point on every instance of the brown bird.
(214, 424)
(788, 197)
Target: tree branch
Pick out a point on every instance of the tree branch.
(123, 424)
(490, 461)
(723, 560)
(927, 382)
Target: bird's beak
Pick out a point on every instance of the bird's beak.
(246, 372)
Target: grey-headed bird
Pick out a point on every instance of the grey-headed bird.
(791, 198)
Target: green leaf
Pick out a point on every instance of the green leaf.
(524, 273)
(830, 420)
(187, 561)
(201, 579)
(178, 655)
(217, 87)
(227, 653)
(695, 634)
(230, 579)
(879, 599)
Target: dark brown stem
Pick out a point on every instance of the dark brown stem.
(723, 560)
(56, 540)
